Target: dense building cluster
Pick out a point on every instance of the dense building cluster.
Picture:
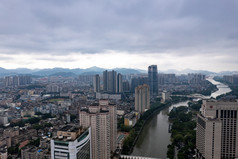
(17, 80)
(81, 117)
(233, 79)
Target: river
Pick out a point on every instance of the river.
(222, 88)
(155, 137)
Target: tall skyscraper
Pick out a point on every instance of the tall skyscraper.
(112, 82)
(217, 130)
(142, 98)
(105, 81)
(101, 117)
(119, 83)
(112, 108)
(96, 83)
(15, 81)
(72, 142)
(153, 80)
(8, 81)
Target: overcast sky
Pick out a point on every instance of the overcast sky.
(174, 34)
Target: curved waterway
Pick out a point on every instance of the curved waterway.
(155, 137)
(222, 88)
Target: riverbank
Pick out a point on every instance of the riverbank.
(183, 133)
(155, 137)
(183, 136)
(130, 141)
(234, 89)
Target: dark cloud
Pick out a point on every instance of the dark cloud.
(92, 26)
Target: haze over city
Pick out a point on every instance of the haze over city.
(176, 34)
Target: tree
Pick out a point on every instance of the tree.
(178, 138)
(181, 155)
(37, 127)
(170, 152)
(13, 150)
(35, 142)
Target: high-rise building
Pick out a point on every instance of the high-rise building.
(119, 83)
(18, 80)
(85, 79)
(112, 82)
(233, 79)
(216, 136)
(142, 98)
(126, 86)
(15, 81)
(96, 83)
(136, 81)
(153, 80)
(105, 81)
(24, 79)
(53, 88)
(102, 119)
(196, 78)
(167, 79)
(72, 142)
(112, 108)
(8, 81)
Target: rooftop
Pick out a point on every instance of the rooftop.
(69, 133)
(69, 128)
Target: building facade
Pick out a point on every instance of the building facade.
(217, 128)
(196, 78)
(119, 83)
(96, 83)
(153, 80)
(112, 82)
(233, 79)
(102, 119)
(136, 81)
(142, 98)
(19, 80)
(71, 142)
(165, 96)
(105, 80)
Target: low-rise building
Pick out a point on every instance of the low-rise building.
(25, 135)
(109, 96)
(33, 152)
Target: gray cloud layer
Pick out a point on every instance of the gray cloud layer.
(179, 27)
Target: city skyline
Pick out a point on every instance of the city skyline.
(200, 35)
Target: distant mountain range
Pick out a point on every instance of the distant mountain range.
(186, 71)
(66, 71)
(97, 70)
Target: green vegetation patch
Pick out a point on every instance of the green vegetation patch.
(183, 135)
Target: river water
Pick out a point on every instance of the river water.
(155, 138)
(222, 88)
